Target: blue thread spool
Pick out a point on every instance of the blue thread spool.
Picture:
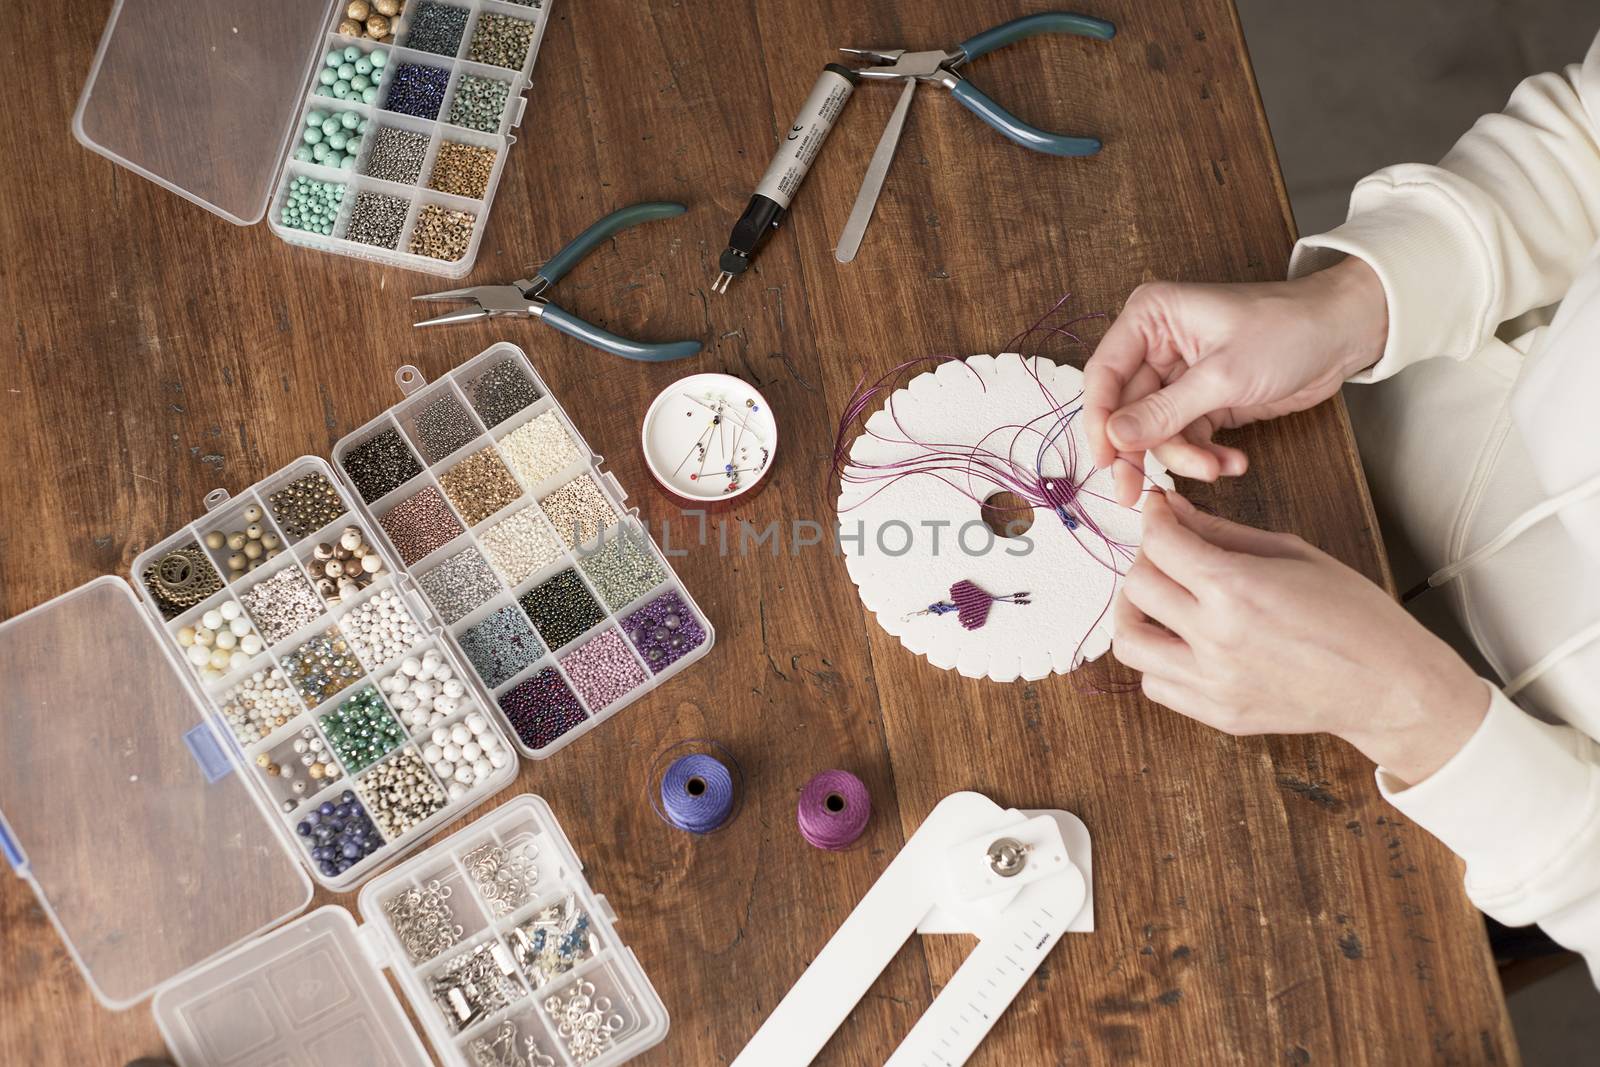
(697, 793)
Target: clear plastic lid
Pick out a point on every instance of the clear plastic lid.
(120, 806)
(202, 98)
(306, 994)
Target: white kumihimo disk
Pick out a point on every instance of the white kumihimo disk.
(920, 534)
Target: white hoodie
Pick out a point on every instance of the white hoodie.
(1482, 446)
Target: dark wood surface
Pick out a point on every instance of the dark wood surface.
(1257, 903)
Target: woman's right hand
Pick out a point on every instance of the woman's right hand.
(1184, 360)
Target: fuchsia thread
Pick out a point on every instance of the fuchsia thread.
(833, 810)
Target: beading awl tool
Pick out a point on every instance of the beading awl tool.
(939, 68)
(1017, 880)
(525, 298)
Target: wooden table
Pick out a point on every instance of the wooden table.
(1257, 902)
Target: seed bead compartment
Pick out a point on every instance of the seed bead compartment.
(216, 693)
(526, 819)
(461, 379)
(439, 128)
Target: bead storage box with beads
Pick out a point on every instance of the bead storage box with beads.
(399, 146)
(506, 953)
(311, 652)
(382, 136)
(560, 604)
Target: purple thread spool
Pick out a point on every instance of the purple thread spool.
(834, 809)
(697, 793)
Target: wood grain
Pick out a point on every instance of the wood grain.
(1257, 902)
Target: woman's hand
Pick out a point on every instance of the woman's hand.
(1185, 360)
(1253, 632)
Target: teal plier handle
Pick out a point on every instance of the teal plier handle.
(559, 264)
(621, 219)
(981, 44)
(1004, 122)
(606, 341)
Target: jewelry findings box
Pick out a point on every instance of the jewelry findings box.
(388, 148)
(500, 946)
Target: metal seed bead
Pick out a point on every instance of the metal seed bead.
(541, 709)
(501, 646)
(664, 631)
(579, 511)
(339, 834)
(260, 704)
(281, 604)
(539, 448)
(480, 485)
(520, 545)
(479, 102)
(400, 793)
(441, 426)
(381, 629)
(361, 729)
(377, 219)
(527, 3)
(397, 155)
(306, 505)
(561, 608)
(462, 169)
(622, 569)
(380, 464)
(322, 666)
(603, 670)
(501, 41)
(420, 524)
(417, 90)
(459, 584)
(442, 233)
(437, 28)
(501, 392)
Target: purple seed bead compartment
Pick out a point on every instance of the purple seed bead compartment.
(664, 631)
(277, 742)
(415, 92)
(561, 689)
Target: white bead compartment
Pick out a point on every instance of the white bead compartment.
(269, 792)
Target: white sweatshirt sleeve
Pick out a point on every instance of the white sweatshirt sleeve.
(1521, 804)
(1503, 225)
(1499, 227)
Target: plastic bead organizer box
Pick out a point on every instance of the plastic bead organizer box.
(199, 824)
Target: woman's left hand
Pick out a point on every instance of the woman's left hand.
(1254, 632)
